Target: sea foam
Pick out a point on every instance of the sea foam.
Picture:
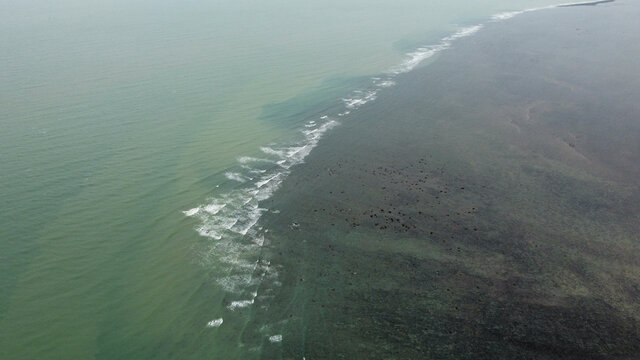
(229, 219)
(215, 323)
(275, 339)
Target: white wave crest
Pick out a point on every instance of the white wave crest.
(275, 339)
(385, 83)
(229, 219)
(215, 323)
(506, 15)
(357, 101)
(214, 208)
(240, 304)
(191, 212)
(416, 57)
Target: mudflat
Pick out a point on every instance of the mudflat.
(487, 207)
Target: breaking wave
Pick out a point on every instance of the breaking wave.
(229, 219)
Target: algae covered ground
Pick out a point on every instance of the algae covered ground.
(486, 208)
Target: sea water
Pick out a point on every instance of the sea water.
(139, 140)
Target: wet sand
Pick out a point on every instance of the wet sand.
(487, 207)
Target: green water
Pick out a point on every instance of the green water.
(117, 117)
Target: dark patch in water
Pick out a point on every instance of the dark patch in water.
(458, 222)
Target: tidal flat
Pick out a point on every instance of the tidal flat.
(487, 207)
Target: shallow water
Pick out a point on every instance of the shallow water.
(127, 126)
(485, 207)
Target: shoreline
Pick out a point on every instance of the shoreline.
(232, 215)
(458, 206)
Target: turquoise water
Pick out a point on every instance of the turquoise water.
(138, 140)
